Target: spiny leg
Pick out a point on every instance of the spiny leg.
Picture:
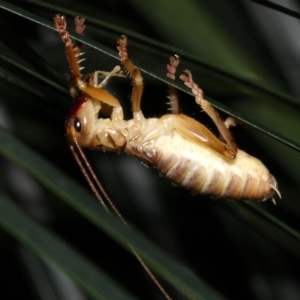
(173, 94)
(174, 102)
(226, 135)
(134, 73)
(76, 83)
(72, 54)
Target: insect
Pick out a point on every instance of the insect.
(178, 146)
(181, 148)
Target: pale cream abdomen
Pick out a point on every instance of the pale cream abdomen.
(205, 171)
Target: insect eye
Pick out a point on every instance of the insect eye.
(77, 125)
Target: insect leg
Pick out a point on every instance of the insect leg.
(188, 127)
(135, 75)
(173, 95)
(116, 71)
(226, 135)
(174, 101)
(72, 53)
(198, 133)
(76, 83)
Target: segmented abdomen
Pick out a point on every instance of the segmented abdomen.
(205, 171)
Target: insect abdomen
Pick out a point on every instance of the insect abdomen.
(204, 171)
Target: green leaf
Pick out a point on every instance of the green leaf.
(56, 252)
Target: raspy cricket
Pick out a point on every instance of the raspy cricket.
(181, 148)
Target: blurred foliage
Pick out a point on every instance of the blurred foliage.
(246, 59)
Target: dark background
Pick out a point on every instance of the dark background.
(245, 57)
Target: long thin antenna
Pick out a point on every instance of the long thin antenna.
(101, 194)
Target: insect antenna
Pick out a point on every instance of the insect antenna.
(103, 197)
(82, 161)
